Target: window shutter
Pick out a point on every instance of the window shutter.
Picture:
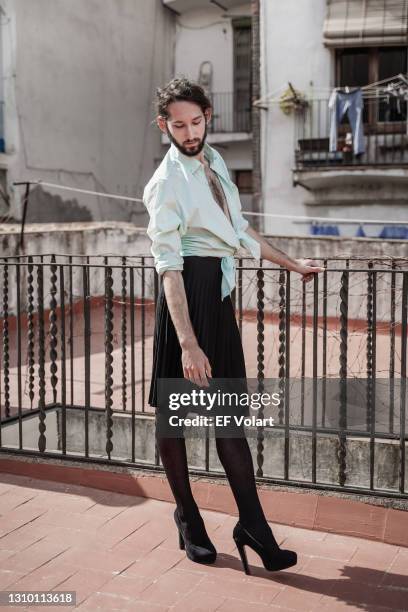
(359, 23)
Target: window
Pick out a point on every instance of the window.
(358, 67)
(242, 74)
(243, 180)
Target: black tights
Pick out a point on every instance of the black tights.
(235, 456)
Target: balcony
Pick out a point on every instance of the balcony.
(231, 119)
(383, 166)
(180, 6)
(76, 355)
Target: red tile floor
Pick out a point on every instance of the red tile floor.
(121, 553)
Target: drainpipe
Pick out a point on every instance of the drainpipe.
(256, 116)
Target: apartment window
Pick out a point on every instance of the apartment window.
(357, 67)
(242, 74)
(243, 180)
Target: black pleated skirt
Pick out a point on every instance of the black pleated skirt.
(213, 322)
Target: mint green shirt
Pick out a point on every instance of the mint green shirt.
(186, 220)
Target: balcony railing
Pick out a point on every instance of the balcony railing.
(386, 141)
(229, 114)
(76, 359)
(185, 5)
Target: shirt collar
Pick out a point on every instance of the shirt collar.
(191, 163)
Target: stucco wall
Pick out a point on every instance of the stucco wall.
(80, 78)
(206, 35)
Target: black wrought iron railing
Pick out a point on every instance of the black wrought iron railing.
(385, 141)
(230, 113)
(76, 349)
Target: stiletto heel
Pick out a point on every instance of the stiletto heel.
(273, 557)
(202, 552)
(243, 556)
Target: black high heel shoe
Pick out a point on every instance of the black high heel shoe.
(202, 552)
(273, 557)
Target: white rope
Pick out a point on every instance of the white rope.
(370, 90)
(87, 191)
(295, 218)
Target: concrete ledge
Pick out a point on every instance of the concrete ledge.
(374, 519)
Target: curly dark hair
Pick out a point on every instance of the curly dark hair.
(180, 89)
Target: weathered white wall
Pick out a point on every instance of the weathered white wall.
(207, 35)
(204, 35)
(291, 50)
(80, 79)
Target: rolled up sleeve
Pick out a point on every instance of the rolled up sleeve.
(165, 226)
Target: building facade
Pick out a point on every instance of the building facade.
(213, 47)
(312, 164)
(77, 86)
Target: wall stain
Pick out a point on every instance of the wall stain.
(44, 207)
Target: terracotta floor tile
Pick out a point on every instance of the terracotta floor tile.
(335, 569)
(199, 601)
(139, 542)
(14, 499)
(68, 502)
(297, 532)
(97, 560)
(21, 516)
(8, 577)
(375, 557)
(24, 536)
(5, 554)
(32, 557)
(60, 517)
(126, 585)
(397, 574)
(225, 566)
(85, 582)
(45, 578)
(302, 592)
(105, 511)
(155, 563)
(327, 604)
(110, 603)
(359, 595)
(171, 587)
(242, 589)
(120, 552)
(234, 605)
(342, 551)
(118, 529)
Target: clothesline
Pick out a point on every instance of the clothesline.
(370, 91)
(101, 194)
(295, 218)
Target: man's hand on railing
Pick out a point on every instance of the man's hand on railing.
(308, 268)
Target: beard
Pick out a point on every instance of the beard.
(189, 151)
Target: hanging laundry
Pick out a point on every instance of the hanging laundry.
(398, 92)
(340, 103)
(324, 230)
(394, 232)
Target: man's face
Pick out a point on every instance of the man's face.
(186, 126)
